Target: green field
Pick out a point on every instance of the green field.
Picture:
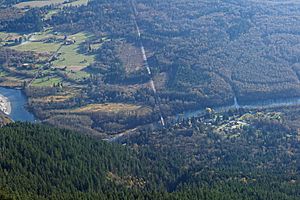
(38, 4)
(96, 46)
(3, 35)
(69, 54)
(37, 47)
(35, 43)
(50, 14)
(46, 81)
(6, 36)
(76, 3)
(44, 35)
(77, 75)
(3, 73)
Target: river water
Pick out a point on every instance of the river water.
(262, 104)
(19, 112)
(18, 102)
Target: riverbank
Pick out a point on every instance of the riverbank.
(262, 104)
(13, 103)
(5, 105)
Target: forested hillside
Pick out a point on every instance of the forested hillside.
(39, 162)
(211, 50)
(43, 162)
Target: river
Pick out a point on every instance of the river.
(260, 104)
(19, 112)
(18, 102)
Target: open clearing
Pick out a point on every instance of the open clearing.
(130, 56)
(69, 55)
(49, 42)
(76, 3)
(8, 38)
(47, 34)
(41, 42)
(46, 81)
(107, 107)
(53, 99)
(39, 4)
(3, 35)
(77, 75)
(39, 47)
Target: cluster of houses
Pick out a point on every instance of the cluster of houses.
(13, 39)
(221, 123)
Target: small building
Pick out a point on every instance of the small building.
(69, 42)
(25, 65)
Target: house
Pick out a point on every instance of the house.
(69, 42)
(27, 66)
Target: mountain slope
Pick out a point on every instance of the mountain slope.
(41, 162)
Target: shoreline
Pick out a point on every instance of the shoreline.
(5, 105)
(262, 104)
(12, 103)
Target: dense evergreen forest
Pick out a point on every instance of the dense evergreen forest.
(40, 162)
(17, 21)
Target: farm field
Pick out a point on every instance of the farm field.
(41, 42)
(107, 107)
(47, 81)
(68, 59)
(40, 47)
(69, 55)
(38, 4)
(76, 3)
(3, 73)
(3, 35)
(7, 38)
(8, 81)
(54, 98)
(46, 34)
(76, 74)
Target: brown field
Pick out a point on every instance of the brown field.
(160, 80)
(76, 68)
(55, 99)
(11, 82)
(107, 107)
(130, 56)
